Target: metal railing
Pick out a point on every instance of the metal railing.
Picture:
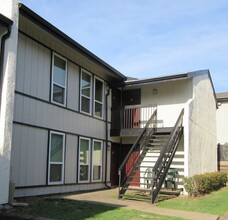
(132, 116)
(139, 146)
(165, 158)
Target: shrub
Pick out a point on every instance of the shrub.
(204, 183)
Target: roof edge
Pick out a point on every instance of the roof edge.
(5, 20)
(27, 12)
(156, 79)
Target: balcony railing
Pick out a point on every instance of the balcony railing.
(131, 116)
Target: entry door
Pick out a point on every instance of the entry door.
(125, 150)
(115, 163)
(118, 155)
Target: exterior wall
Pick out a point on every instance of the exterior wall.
(8, 9)
(35, 116)
(178, 163)
(171, 97)
(222, 123)
(202, 151)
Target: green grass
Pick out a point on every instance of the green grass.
(213, 203)
(71, 209)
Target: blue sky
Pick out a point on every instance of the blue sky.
(147, 38)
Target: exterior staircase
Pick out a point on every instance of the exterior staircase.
(156, 150)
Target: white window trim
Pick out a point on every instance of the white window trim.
(89, 162)
(81, 95)
(60, 163)
(95, 101)
(52, 80)
(101, 160)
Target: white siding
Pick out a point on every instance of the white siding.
(222, 123)
(170, 98)
(29, 156)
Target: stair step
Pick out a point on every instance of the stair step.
(160, 135)
(142, 197)
(137, 189)
(142, 183)
(140, 166)
(176, 192)
(155, 143)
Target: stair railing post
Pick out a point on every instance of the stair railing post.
(119, 173)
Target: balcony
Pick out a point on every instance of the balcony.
(129, 120)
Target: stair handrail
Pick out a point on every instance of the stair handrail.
(154, 115)
(152, 121)
(160, 168)
(168, 143)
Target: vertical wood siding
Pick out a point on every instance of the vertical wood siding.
(71, 159)
(41, 114)
(33, 68)
(29, 156)
(73, 86)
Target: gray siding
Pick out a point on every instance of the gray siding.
(71, 159)
(42, 114)
(35, 116)
(29, 156)
(33, 68)
(73, 86)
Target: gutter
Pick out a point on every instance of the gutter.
(7, 23)
(106, 136)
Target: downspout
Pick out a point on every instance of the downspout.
(5, 36)
(107, 131)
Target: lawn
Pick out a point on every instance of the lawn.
(71, 209)
(213, 203)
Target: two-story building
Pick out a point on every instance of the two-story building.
(69, 119)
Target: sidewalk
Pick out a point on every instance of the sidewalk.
(109, 197)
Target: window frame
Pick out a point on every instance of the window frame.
(96, 101)
(101, 164)
(53, 83)
(89, 160)
(57, 163)
(91, 92)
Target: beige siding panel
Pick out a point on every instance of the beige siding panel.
(73, 86)
(38, 113)
(33, 69)
(20, 63)
(29, 156)
(71, 159)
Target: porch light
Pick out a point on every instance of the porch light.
(155, 91)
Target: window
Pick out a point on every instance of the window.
(56, 158)
(86, 92)
(90, 160)
(97, 160)
(59, 72)
(84, 160)
(98, 99)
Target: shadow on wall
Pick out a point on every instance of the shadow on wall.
(4, 182)
(223, 158)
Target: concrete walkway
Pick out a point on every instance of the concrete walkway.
(109, 197)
